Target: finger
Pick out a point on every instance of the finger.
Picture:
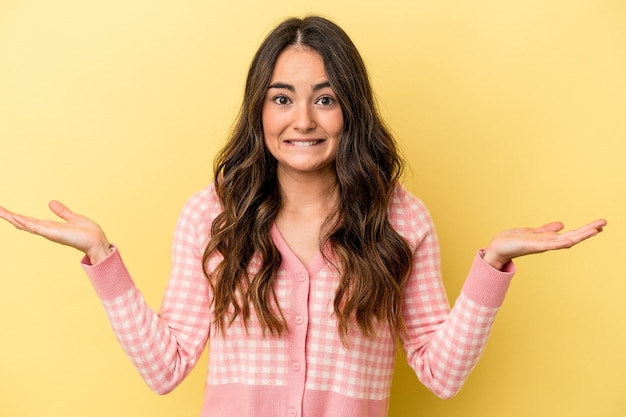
(21, 222)
(579, 235)
(50, 230)
(61, 210)
(5, 214)
(28, 224)
(598, 224)
(573, 237)
(550, 227)
(13, 218)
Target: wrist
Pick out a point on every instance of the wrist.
(99, 253)
(493, 259)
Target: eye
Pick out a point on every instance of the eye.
(281, 100)
(326, 101)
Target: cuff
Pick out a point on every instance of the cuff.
(110, 278)
(486, 285)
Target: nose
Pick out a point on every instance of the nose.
(303, 119)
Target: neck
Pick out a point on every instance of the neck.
(316, 194)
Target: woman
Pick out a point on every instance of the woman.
(306, 260)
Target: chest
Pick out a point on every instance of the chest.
(302, 237)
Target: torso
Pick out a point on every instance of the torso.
(302, 235)
(306, 202)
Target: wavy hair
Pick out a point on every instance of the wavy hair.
(373, 259)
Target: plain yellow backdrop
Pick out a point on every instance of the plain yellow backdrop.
(509, 113)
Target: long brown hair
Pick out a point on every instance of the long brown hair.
(374, 260)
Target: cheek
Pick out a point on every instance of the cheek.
(264, 120)
(338, 125)
(270, 135)
(272, 123)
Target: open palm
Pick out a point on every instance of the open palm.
(518, 242)
(76, 230)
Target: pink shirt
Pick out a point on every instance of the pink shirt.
(308, 372)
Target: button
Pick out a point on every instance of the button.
(292, 412)
(299, 319)
(295, 366)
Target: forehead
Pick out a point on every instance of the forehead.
(299, 63)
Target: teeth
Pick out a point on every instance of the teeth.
(305, 143)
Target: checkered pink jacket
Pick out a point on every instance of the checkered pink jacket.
(308, 372)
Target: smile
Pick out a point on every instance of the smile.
(305, 143)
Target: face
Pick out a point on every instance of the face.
(302, 120)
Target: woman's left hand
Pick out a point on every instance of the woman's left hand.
(513, 243)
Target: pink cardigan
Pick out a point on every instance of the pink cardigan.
(308, 372)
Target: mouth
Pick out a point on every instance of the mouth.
(304, 143)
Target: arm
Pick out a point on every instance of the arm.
(164, 347)
(443, 345)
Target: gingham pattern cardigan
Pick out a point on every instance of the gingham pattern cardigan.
(308, 372)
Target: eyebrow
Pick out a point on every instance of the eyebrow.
(319, 86)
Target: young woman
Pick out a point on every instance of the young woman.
(306, 261)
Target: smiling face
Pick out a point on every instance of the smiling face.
(302, 120)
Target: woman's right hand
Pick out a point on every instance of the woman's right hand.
(76, 231)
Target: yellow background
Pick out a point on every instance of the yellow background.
(510, 113)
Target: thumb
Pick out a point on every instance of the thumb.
(551, 227)
(60, 210)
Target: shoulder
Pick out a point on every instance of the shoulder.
(202, 207)
(409, 215)
(204, 199)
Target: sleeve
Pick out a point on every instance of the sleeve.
(164, 347)
(443, 345)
